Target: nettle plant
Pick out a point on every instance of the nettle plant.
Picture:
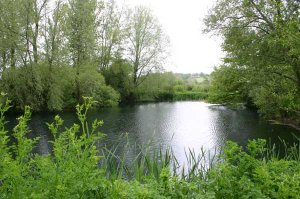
(70, 171)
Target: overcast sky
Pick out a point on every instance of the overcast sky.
(191, 50)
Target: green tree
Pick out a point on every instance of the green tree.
(93, 84)
(229, 85)
(259, 37)
(119, 76)
(55, 48)
(147, 43)
(110, 33)
(55, 45)
(9, 33)
(81, 35)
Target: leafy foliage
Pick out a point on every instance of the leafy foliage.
(262, 58)
(169, 86)
(118, 76)
(228, 86)
(50, 58)
(54, 90)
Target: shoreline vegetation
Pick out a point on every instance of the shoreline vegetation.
(261, 65)
(76, 168)
(111, 52)
(115, 54)
(51, 58)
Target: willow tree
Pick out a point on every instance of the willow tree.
(9, 33)
(110, 33)
(147, 43)
(55, 43)
(20, 23)
(31, 16)
(81, 35)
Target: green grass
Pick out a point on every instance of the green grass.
(77, 169)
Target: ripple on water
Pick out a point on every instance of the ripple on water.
(181, 125)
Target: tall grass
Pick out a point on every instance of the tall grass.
(150, 164)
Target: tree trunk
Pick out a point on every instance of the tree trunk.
(12, 58)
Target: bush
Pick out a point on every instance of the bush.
(44, 88)
(92, 84)
(27, 175)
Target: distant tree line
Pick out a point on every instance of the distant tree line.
(262, 63)
(53, 52)
(174, 87)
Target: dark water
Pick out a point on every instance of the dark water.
(181, 125)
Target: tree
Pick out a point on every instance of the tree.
(81, 35)
(260, 38)
(47, 54)
(146, 43)
(38, 7)
(55, 45)
(259, 34)
(229, 85)
(7, 40)
(54, 52)
(110, 33)
(118, 76)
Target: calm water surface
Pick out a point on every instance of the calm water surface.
(180, 125)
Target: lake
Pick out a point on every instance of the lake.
(180, 125)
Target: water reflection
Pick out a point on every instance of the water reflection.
(181, 125)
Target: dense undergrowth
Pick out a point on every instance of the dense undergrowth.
(77, 169)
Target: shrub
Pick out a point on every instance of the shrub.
(70, 172)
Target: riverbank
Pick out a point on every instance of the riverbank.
(76, 168)
(173, 97)
(291, 122)
(287, 122)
